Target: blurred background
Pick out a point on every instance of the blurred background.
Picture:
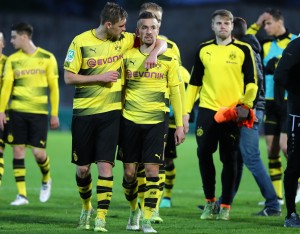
(186, 22)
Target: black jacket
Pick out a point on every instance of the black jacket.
(259, 102)
(287, 75)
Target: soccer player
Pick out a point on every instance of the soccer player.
(287, 75)
(275, 129)
(92, 64)
(249, 153)
(144, 117)
(28, 74)
(224, 75)
(171, 152)
(169, 170)
(2, 63)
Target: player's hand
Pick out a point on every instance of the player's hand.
(110, 76)
(262, 18)
(179, 135)
(186, 124)
(54, 122)
(242, 112)
(2, 120)
(151, 61)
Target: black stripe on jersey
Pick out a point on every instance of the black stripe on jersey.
(169, 45)
(38, 106)
(248, 64)
(42, 55)
(164, 58)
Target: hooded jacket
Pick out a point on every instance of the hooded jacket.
(259, 102)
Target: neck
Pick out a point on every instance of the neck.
(29, 48)
(144, 48)
(101, 33)
(280, 32)
(221, 41)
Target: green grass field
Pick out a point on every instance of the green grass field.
(60, 214)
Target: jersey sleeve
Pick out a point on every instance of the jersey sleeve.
(52, 76)
(74, 57)
(7, 84)
(253, 29)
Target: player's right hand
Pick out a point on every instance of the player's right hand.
(110, 76)
(2, 120)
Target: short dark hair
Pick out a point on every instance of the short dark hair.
(113, 13)
(146, 15)
(239, 27)
(150, 6)
(23, 28)
(276, 13)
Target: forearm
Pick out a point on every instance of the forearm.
(183, 98)
(160, 47)
(175, 99)
(54, 97)
(77, 79)
(250, 95)
(191, 94)
(5, 94)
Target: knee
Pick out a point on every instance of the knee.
(129, 175)
(83, 171)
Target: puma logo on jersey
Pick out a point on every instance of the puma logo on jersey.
(94, 50)
(132, 62)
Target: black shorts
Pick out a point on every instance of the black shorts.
(28, 129)
(275, 118)
(141, 143)
(170, 150)
(95, 138)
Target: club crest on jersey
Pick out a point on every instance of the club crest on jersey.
(70, 56)
(232, 55)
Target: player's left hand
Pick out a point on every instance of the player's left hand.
(186, 124)
(242, 112)
(179, 135)
(151, 61)
(54, 122)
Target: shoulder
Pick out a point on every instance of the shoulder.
(127, 36)
(15, 55)
(245, 47)
(43, 53)
(206, 44)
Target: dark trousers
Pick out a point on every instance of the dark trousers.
(209, 134)
(292, 171)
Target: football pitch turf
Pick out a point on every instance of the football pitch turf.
(61, 213)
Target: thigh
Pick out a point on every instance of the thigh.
(106, 136)
(38, 129)
(18, 130)
(170, 150)
(95, 137)
(153, 143)
(130, 142)
(229, 136)
(206, 132)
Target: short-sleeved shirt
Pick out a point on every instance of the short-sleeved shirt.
(145, 93)
(89, 55)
